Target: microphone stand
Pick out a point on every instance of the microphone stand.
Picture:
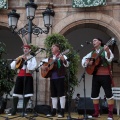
(35, 113)
(23, 112)
(69, 115)
(68, 77)
(69, 105)
(85, 113)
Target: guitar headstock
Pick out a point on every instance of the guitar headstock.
(111, 42)
(65, 52)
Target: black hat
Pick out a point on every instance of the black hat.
(102, 44)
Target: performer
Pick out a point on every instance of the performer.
(77, 98)
(101, 77)
(57, 76)
(23, 74)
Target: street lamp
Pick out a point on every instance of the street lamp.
(30, 28)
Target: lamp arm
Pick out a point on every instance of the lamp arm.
(23, 31)
(38, 30)
(35, 30)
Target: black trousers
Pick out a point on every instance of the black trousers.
(18, 90)
(57, 87)
(99, 81)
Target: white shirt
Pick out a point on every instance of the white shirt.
(31, 64)
(89, 55)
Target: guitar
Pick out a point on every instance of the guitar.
(90, 69)
(50, 64)
(20, 61)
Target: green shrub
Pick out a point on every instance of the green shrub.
(6, 74)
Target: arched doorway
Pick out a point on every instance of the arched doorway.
(79, 37)
(82, 27)
(12, 41)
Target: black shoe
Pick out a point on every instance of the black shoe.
(12, 113)
(51, 114)
(61, 114)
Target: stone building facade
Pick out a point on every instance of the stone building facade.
(105, 18)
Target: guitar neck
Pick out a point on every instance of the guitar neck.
(52, 62)
(110, 42)
(66, 51)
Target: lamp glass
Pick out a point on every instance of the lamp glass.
(30, 12)
(48, 20)
(13, 22)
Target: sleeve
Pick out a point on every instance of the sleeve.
(13, 65)
(67, 64)
(31, 64)
(111, 56)
(85, 57)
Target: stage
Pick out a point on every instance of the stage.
(73, 115)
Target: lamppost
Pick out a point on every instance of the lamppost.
(31, 28)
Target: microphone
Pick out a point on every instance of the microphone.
(88, 42)
(39, 50)
(43, 49)
(11, 59)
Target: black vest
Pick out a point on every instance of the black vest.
(60, 71)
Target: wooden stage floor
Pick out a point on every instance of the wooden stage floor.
(73, 115)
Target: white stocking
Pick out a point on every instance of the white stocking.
(54, 102)
(62, 102)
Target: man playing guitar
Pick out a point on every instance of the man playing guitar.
(101, 75)
(57, 75)
(28, 63)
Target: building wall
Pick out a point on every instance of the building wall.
(65, 19)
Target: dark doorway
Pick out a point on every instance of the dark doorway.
(13, 43)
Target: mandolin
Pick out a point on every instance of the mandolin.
(90, 69)
(20, 60)
(49, 65)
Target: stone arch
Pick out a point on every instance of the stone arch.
(112, 26)
(11, 40)
(20, 25)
